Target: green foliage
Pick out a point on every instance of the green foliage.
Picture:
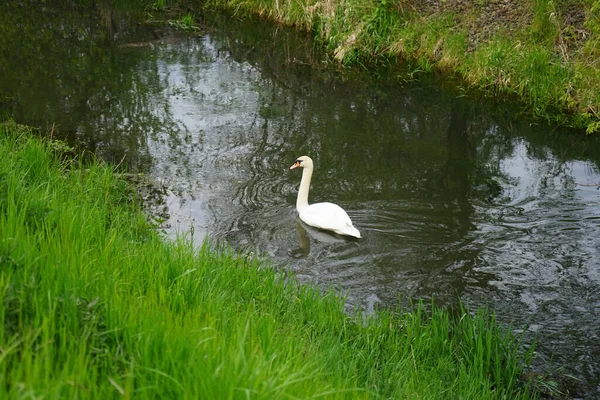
(97, 305)
(545, 27)
(592, 22)
(185, 23)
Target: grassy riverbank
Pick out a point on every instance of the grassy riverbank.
(544, 53)
(96, 305)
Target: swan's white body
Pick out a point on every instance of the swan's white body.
(326, 216)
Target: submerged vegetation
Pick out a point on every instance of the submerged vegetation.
(96, 305)
(544, 53)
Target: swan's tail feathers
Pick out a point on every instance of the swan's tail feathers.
(355, 233)
(351, 231)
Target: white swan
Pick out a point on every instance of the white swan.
(326, 216)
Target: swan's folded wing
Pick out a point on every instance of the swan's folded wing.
(328, 216)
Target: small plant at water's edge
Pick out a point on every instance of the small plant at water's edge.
(185, 23)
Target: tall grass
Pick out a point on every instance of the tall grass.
(96, 305)
(551, 63)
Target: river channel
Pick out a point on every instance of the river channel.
(457, 198)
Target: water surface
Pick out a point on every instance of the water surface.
(456, 198)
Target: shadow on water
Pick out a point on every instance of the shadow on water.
(306, 232)
(455, 198)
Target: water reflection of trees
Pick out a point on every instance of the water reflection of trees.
(59, 67)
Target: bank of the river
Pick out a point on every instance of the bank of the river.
(96, 305)
(544, 53)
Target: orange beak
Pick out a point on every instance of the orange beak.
(295, 165)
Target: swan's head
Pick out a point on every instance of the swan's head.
(302, 162)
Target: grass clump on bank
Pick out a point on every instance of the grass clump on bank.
(544, 53)
(96, 305)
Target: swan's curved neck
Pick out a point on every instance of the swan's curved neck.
(302, 200)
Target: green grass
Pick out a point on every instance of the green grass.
(96, 305)
(185, 23)
(551, 64)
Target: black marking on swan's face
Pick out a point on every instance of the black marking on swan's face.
(296, 164)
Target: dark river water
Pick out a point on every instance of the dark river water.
(456, 198)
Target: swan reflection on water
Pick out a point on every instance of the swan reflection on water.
(306, 232)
